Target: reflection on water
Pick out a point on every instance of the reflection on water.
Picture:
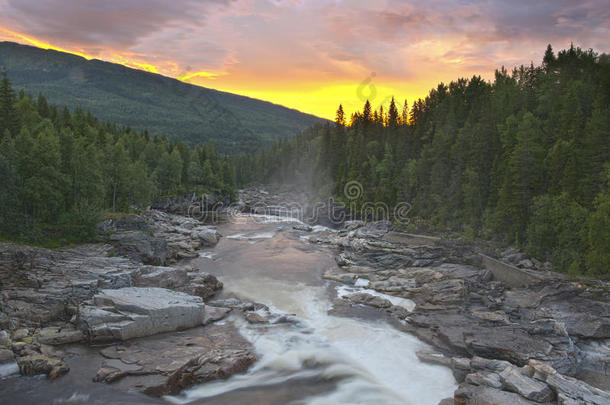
(75, 388)
(316, 358)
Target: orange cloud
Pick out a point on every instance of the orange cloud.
(204, 75)
(22, 38)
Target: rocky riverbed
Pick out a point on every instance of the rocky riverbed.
(139, 312)
(540, 343)
(130, 296)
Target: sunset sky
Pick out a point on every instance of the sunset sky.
(311, 54)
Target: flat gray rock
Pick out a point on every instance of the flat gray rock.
(131, 312)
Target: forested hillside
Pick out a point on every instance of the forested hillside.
(524, 159)
(142, 100)
(59, 171)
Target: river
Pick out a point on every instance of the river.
(348, 356)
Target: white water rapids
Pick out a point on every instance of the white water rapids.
(352, 359)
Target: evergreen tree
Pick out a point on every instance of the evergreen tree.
(367, 112)
(523, 180)
(8, 117)
(549, 58)
(405, 114)
(340, 118)
(393, 115)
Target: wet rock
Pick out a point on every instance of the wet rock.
(40, 364)
(232, 303)
(368, 299)
(215, 314)
(346, 278)
(218, 364)
(433, 358)
(131, 312)
(167, 363)
(202, 285)
(255, 318)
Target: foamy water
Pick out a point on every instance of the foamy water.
(207, 255)
(252, 236)
(343, 290)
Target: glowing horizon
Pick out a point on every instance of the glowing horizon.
(365, 90)
(310, 55)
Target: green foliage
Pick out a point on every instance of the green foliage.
(555, 231)
(142, 100)
(520, 159)
(598, 233)
(59, 171)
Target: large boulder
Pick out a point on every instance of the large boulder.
(140, 246)
(207, 236)
(132, 312)
(165, 364)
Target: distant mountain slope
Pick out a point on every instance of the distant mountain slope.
(162, 105)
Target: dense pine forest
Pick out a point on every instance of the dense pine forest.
(61, 170)
(523, 160)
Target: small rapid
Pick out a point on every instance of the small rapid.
(311, 352)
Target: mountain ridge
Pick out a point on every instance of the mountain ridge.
(144, 100)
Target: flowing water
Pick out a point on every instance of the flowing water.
(347, 356)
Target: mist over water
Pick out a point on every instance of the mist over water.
(311, 356)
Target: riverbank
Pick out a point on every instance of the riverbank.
(133, 290)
